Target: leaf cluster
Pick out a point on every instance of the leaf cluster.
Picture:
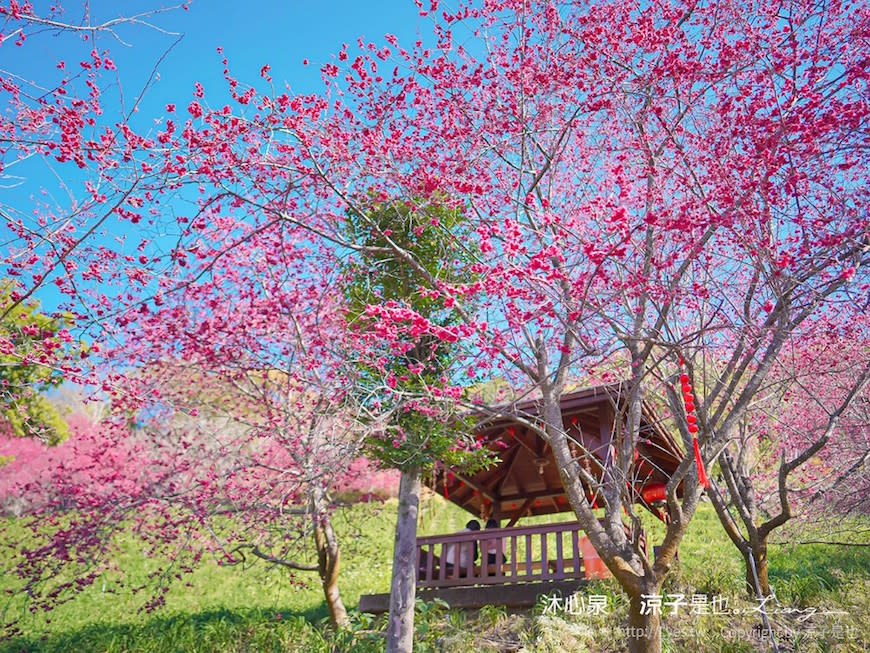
(31, 357)
(403, 248)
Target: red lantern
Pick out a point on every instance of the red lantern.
(654, 492)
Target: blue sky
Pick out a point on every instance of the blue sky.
(252, 33)
(279, 33)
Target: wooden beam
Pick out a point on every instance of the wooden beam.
(480, 489)
(514, 454)
(532, 450)
(519, 513)
(540, 494)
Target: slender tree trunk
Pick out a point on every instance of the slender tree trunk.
(644, 630)
(758, 550)
(753, 546)
(400, 628)
(327, 558)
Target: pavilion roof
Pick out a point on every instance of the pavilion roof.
(526, 481)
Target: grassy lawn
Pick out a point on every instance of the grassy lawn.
(229, 610)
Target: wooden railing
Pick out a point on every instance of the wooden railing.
(545, 552)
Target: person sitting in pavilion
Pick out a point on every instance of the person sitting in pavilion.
(494, 548)
(458, 556)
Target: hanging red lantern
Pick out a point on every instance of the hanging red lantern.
(654, 492)
(692, 423)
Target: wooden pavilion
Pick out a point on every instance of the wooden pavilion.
(526, 481)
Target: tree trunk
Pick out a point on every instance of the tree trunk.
(327, 558)
(644, 630)
(400, 628)
(758, 550)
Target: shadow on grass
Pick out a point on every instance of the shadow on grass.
(213, 630)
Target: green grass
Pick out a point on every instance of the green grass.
(232, 610)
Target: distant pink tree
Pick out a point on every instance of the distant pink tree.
(801, 450)
(365, 480)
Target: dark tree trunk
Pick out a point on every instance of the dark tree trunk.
(327, 558)
(400, 628)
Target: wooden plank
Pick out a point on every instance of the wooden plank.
(539, 494)
(545, 572)
(528, 569)
(575, 548)
(513, 556)
(560, 564)
(470, 536)
(518, 595)
(430, 561)
(485, 576)
(419, 561)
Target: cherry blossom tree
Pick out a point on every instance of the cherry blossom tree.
(677, 187)
(71, 121)
(679, 183)
(266, 349)
(804, 438)
(243, 421)
(267, 395)
(415, 364)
